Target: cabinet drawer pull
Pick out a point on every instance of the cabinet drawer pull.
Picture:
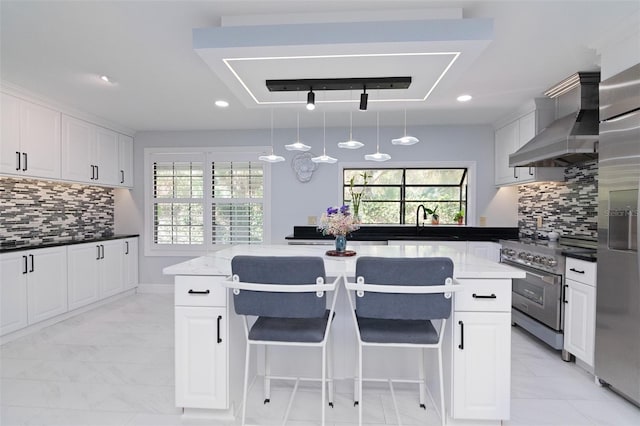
(121, 176)
(219, 319)
(26, 267)
(481, 296)
(530, 171)
(97, 172)
(514, 173)
(93, 172)
(98, 247)
(576, 271)
(461, 345)
(564, 299)
(24, 161)
(191, 291)
(18, 161)
(32, 263)
(127, 244)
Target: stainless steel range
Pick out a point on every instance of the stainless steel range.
(538, 299)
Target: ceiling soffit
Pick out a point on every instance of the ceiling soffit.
(435, 53)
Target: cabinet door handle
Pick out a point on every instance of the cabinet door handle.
(97, 172)
(514, 173)
(25, 269)
(481, 296)
(102, 247)
(530, 171)
(93, 172)
(18, 160)
(121, 176)
(24, 162)
(127, 245)
(461, 345)
(219, 319)
(32, 263)
(576, 271)
(98, 257)
(564, 297)
(191, 291)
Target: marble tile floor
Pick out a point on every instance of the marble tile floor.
(113, 366)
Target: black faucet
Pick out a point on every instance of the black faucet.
(424, 216)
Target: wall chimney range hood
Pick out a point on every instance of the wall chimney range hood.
(571, 139)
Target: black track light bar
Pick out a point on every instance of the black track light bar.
(316, 84)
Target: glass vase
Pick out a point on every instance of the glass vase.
(341, 243)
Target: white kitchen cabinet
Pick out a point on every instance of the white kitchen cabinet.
(34, 286)
(480, 351)
(89, 153)
(95, 272)
(202, 376)
(580, 309)
(13, 291)
(130, 263)
(512, 135)
(125, 161)
(30, 140)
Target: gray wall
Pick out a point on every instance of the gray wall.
(292, 202)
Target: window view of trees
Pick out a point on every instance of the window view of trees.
(392, 196)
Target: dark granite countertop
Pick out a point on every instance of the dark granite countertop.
(400, 232)
(6, 246)
(586, 255)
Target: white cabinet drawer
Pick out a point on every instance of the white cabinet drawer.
(491, 296)
(200, 291)
(581, 271)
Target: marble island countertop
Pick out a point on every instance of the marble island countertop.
(466, 266)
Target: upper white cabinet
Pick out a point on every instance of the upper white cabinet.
(513, 135)
(89, 153)
(30, 140)
(125, 161)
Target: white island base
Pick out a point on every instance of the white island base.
(210, 341)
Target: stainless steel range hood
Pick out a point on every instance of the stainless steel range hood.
(571, 139)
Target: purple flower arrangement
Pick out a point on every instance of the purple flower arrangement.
(338, 221)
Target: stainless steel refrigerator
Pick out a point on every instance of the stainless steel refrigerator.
(617, 347)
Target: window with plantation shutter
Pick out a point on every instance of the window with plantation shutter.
(237, 207)
(200, 200)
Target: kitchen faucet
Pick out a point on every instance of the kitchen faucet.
(424, 216)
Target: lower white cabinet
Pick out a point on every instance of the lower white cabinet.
(201, 343)
(580, 309)
(130, 263)
(33, 287)
(481, 352)
(95, 272)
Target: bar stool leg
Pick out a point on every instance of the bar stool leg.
(246, 381)
(443, 415)
(422, 385)
(360, 385)
(267, 376)
(330, 370)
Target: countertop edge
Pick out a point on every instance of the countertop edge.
(26, 247)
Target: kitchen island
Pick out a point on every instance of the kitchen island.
(476, 349)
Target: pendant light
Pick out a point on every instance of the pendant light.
(378, 156)
(350, 144)
(272, 158)
(405, 140)
(297, 145)
(324, 158)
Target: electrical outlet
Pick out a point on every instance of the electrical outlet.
(312, 220)
(539, 222)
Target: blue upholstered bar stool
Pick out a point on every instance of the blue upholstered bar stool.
(396, 300)
(288, 297)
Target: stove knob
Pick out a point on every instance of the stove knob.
(522, 255)
(529, 257)
(505, 251)
(537, 259)
(551, 262)
(511, 252)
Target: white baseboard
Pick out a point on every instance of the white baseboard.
(155, 288)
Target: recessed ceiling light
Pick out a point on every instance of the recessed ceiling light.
(222, 103)
(464, 98)
(106, 79)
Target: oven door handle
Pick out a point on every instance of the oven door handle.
(549, 279)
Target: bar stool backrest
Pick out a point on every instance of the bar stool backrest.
(405, 272)
(279, 270)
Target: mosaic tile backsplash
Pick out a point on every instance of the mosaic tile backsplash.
(36, 211)
(570, 207)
